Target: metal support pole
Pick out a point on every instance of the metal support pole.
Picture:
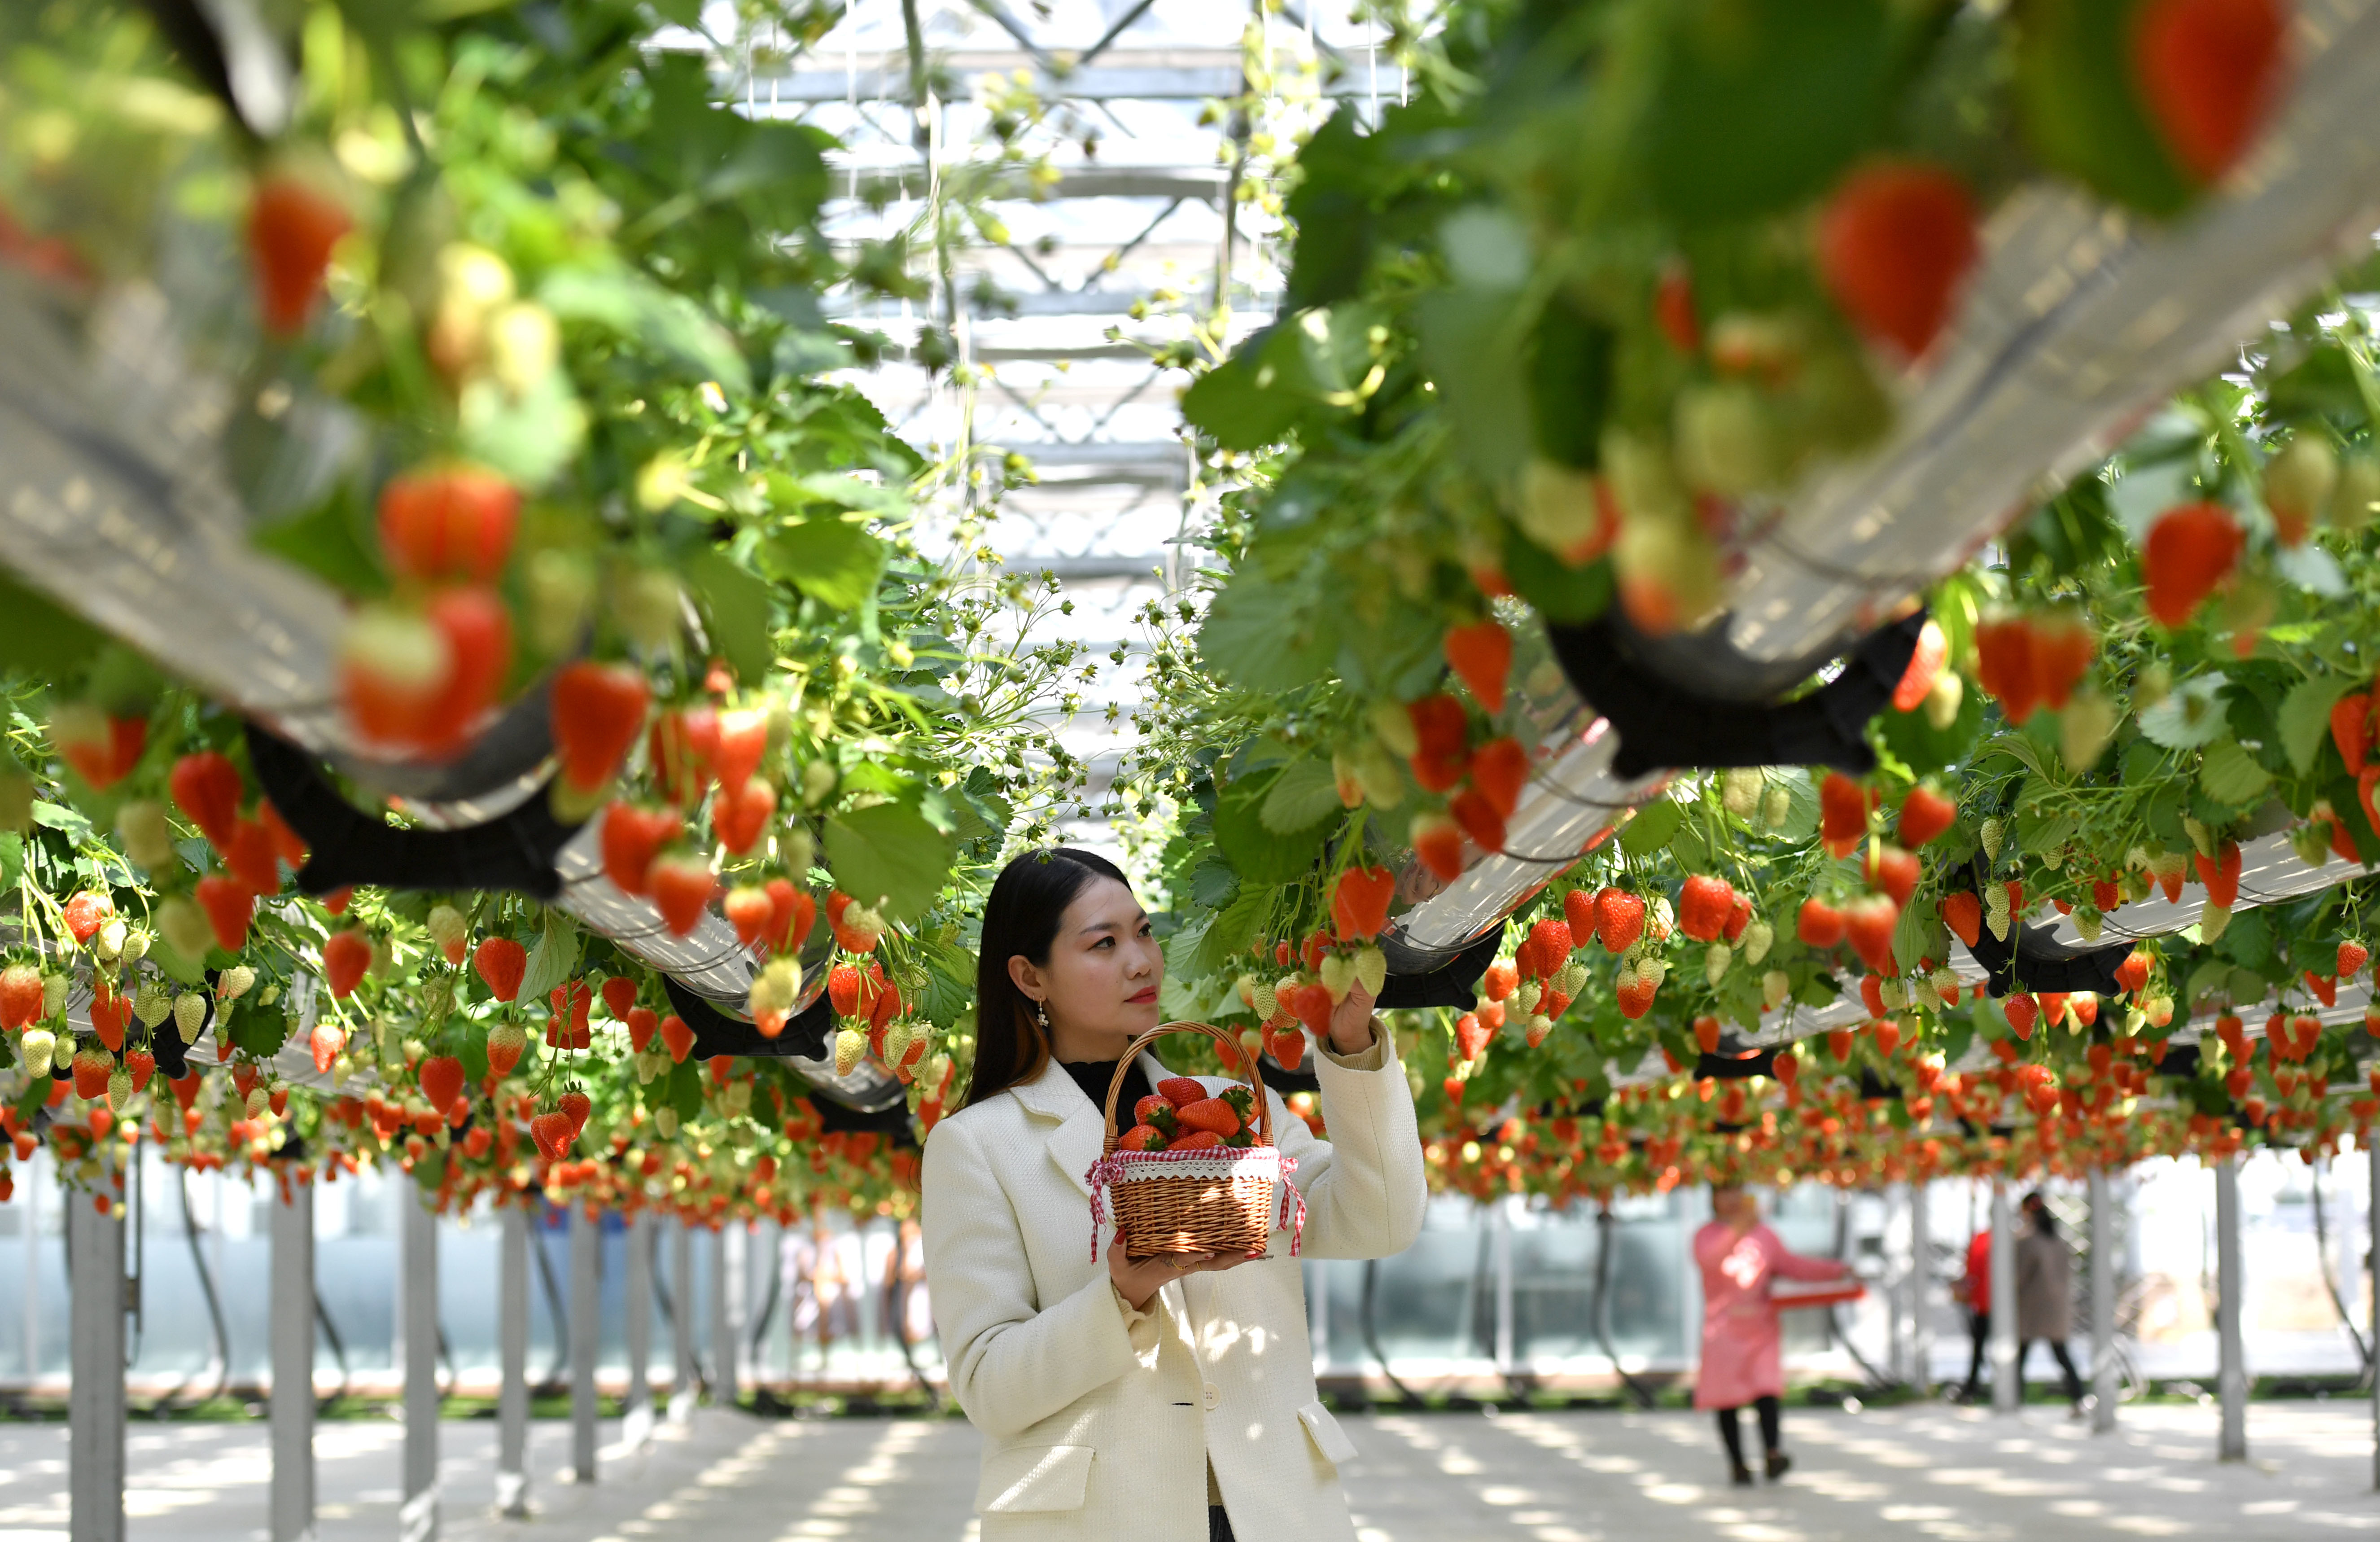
(726, 1297)
(586, 1335)
(1502, 1217)
(636, 1424)
(1921, 1288)
(512, 1352)
(417, 1519)
(95, 1292)
(2103, 1305)
(2232, 1375)
(2008, 1393)
(292, 1335)
(681, 1404)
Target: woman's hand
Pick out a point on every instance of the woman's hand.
(1351, 1021)
(1138, 1282)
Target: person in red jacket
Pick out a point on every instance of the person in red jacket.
(1974, 1292)
(1742, 1355)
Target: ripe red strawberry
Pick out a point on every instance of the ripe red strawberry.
(1481, 656)
(1673, 309)
(1310, 1004)
(1476, 815)
(1925, 666)
(1471, 1036)
(598, 710)
(1707, 1034)
(2209, 71)
(1359, 902)
(1872, 994)
(1842, 813)
(445, 522)
(682, 746)
(1501, 979)
(1210, 1113)
(1500, 770)
(91, 1070)
(682, 886)
(643, 1023)
(502, 964)
(1924, 815)
(421, 680)
(2061, 649)
(1703, 906)
(631, 837)
(2351, 729)
(505, 1041)
(345, 955)
(1839, 1044)
(1894, 242)
(747, 908)
(574, 1001)
(1962, 912)
(2023, 1011)
(478, 632)
(2004, 664)
(102, 749)
(792, 913)
(1635, 996)
(619, 994)
(1893, 871)
(2191, 550)
(292, 226)
(575, 1105)
(843, 983)
(1442, 738)
(206, 788)
(1788, 1066)
(1181, 1091)
(2351, 956)
(1197, 1140)
(1287, 1047)
(1438, 840)
(1578, 909)
(1818, 923)
(251, 858)
(143, 1065)
(1868, 923)
(230, 905)
(1141, 1137)
(2326, 989)
(1619, 918)
(1153, 1109)
(552, 1134)
(110, 1014)
(739, 815)
(2133, 973)
(441, 1080)
(87, 912)
(1551, 939)
(676, 1038)
(2221, 874)
(1739, 916)
(21, 996)
(290, 848)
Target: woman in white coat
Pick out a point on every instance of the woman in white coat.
(1172, 1400)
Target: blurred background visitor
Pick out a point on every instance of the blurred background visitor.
(1742, 1362)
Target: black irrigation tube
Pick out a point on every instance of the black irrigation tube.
(1604, 1225)
(2330, 1285)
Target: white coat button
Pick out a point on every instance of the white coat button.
(1214, 1394)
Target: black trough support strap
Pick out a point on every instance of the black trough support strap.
(347, 846)
(1452, 983)
(808, 1034)
(1664, 724)
(1736, 1068)
(2032, 959)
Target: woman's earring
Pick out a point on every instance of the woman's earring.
(1041, 1014)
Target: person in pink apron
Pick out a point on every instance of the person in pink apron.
(1742, 1362)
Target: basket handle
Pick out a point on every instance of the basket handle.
(1124, 1068)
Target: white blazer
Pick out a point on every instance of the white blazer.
(1101, 1421)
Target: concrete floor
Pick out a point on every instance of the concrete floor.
(1928, 1472)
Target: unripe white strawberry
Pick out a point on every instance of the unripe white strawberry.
(1758, 938)
(898, 1034)
(1741, 790)
(1570, 978)
(1652, 969)
(1261, 998)
(1338, 974)
(259, 1100)
(1995, 830)
(1539, 1025)
(119, 1089)
(849, 1044)
(38, 1045)
(2089, 923)
(1371, 968)
(645, 600)
(1948, 693)
(448, 929)
(135, 945)
(1774, 986)
(1920, 990)
(148, 837)
(62, 1053)
(109, 943)
(1944, 979)
(665, 1121)
(185, 927)
(151, 1004)
(1659, 921)
(1776, 807)
(232, 983)
(1715, 962)
(1527, 995)
(1894, 994)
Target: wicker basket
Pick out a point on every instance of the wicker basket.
(1219, 1200)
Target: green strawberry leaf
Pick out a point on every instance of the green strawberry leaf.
(2304, 717)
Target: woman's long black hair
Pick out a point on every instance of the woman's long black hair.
(1027, 901)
